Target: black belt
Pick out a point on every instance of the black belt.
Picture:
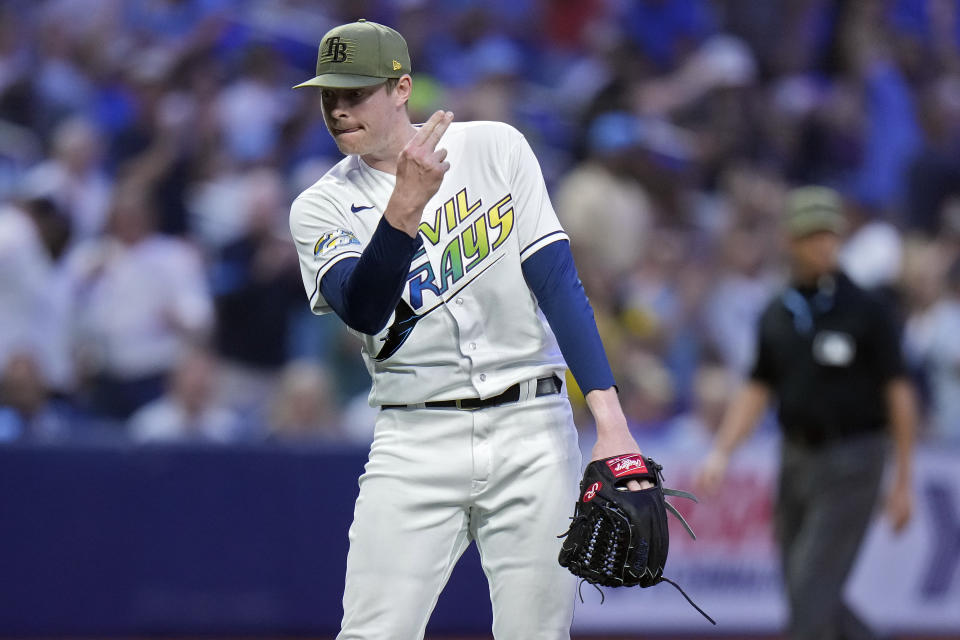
(545, 387)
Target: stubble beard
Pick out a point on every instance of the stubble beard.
(349, 147)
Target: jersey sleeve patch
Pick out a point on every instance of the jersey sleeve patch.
(333, 240)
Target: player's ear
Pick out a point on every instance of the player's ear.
(401, 93)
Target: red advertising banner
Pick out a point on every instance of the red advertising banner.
(906, 583)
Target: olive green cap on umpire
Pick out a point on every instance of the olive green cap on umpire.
(813, 209)
(359, 54)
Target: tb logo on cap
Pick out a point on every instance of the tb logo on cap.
(336, 49)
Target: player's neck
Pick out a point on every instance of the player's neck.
(385, 159)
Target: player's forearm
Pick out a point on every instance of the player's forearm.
(742, 417)
(364, 291)
(552, 276)
(604, 405)
(613, 433)
(901, 403)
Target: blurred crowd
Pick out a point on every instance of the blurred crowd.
(150, 149)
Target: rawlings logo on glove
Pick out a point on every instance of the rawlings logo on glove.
(618, 537)
(626, 465)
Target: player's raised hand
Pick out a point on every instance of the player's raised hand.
(420, 169)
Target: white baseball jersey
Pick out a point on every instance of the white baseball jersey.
(467, 324)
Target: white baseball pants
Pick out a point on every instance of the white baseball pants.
(505, 476)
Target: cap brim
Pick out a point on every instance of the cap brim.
(341, 81)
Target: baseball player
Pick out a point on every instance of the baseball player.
(437, 245)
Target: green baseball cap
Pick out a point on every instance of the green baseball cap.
(359, 54)
(813, 209)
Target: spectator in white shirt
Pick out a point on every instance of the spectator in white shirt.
(931, 337)
(189, 410)
(138, 299)
(74, 179)
(305, 407)
(733, 304)
(31, 312)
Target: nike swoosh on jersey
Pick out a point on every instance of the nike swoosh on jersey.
(355, 208)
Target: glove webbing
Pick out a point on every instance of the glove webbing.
(618, 545)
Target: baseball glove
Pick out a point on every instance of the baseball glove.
(618, 537)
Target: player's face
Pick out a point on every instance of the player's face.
(360, 120)
(815, 255)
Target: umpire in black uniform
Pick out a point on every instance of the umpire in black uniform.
(829, 353)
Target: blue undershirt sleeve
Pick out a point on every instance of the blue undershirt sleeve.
(364, 291)
(552, 276)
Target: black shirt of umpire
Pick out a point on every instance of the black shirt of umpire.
(827, 352)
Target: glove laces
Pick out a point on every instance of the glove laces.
(684, 594)
(662, 579)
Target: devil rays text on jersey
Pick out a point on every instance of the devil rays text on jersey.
(469, 241)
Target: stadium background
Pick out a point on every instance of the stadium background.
(148, 154)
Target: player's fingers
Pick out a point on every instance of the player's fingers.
(433, 137)
(637, 485)
(426, 128)
(444, 167)
(439, 155)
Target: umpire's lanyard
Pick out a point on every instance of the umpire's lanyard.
(803, 310)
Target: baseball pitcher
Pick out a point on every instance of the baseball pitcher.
(438, 247)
